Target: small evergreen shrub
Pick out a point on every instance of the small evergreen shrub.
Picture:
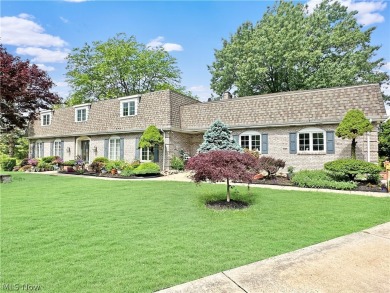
(24, 162)
(177, 163)
(100, 160)
(350, 168)
(48, 159)
(7, 164)
(320, 179)
(135, 164)
(253, 153)
(127, 171)
(271, 165)
(118, 165)
(69, 163)
(45, 166)
(147, 168)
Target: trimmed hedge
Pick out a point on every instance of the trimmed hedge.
(8, 164)
(320, 179)
(350, 168)
(147, 168)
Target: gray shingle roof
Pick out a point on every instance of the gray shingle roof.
(323, 106)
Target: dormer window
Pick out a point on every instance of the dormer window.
(45, 118)
(128, 106)
(81, 112)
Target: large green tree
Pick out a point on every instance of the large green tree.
(384, 139)
(353, 125)
(119, 67)
(291, 49)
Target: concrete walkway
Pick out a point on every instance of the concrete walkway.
(359, 262)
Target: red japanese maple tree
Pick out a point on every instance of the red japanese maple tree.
(25, 89)
(221, 165)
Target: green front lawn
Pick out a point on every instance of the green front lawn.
(72, 234)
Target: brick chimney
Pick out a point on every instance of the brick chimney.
(227, 96)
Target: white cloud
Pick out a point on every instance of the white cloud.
(386, 66)
(61, 84)
(64, 20)
(368, 10)
(44, 55)
(159, 42)
(19, 31)
(44, 67)
(26, 16)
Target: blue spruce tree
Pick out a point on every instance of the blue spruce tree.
(218, 137)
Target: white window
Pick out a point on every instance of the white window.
(128, 106)
(39, 149)
(57, 148)
(114, 146)
(251, 140)
(45, 118)
(81, 112)
(147, 155)
(311, 140)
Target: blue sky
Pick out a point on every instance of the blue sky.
(45, 31)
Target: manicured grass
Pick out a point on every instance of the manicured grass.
(72, 234)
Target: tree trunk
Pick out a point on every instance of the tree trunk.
(11, 146)
(353, 149)
(228, 191)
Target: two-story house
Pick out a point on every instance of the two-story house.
(298, 127)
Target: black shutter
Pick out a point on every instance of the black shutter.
(156, 153)
(62, 150)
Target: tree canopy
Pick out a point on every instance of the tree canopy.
(119, 67)
(151, 137)
(384, 139)
(292, 49)
(353, 125)
(25, 89)
(218, 137)
(221, 165)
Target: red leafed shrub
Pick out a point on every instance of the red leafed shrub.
(221, 165)
(271, 165)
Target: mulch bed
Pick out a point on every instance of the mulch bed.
(109, 175)
(224, 205)
(283, 181)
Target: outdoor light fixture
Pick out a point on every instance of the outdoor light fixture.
(68, 149)
(95, 149)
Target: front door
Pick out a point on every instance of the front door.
(85, 150)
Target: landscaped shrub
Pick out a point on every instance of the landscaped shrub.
(7, 164)
(147, 168)
(349, 168)
(24, 162)
(135, 164)
(271, 165)
(25, 168)
(33, 162)
(69, 163)
(320, 179)
(127, 171)
(48, 159)
(45, 166)
(118, 165)
(177, 163)
(98, 164)
(100, 159)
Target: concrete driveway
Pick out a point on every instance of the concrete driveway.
(359, 262)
